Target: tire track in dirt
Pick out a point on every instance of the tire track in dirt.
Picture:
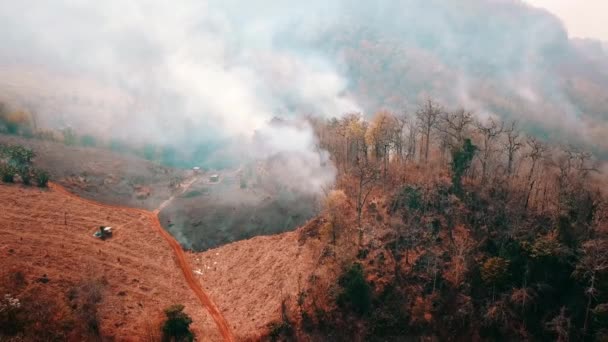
(182, 262)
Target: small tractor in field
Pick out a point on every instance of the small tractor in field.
(103, 232)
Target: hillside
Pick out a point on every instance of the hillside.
(517, 63)
(73, 284)
(48, 235)
(395, 170)
(103, 175)
(236, 207)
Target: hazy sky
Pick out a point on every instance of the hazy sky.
(583, 18)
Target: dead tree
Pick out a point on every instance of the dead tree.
(427, 116)
(512, 145)
(489, 133)
(453, 129)
(593, 263)
(366, 175)
(412, 128)
(401, 121)
(536, 152)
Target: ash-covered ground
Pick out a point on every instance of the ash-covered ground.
(237, 206)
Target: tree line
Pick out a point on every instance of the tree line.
(474, 227)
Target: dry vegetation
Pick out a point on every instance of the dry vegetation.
(101, 174)
(72, 286)
(456, 229)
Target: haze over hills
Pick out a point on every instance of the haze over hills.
(215, 71)
(411, 162)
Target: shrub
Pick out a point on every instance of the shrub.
(357, 293)
(18, 156)
(10, 322)
(42, 178)
(408, 197)
(14, 121)
(87, 296)
(12, 128)
(117, 146)
(26, 176)
(177, 326)
(279, 329)
(88, 141)
(45, 135)
(69, 136)
(193, 193)
(7, 172)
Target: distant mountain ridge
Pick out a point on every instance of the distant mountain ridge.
(499, 58)
(494, 57)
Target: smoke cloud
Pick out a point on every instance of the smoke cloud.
(197, 71)
(174, 73)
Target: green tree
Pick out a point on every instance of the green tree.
(461, 161)
(495, 272)
(7, 172)
(18, 156)
(42, 178)
(177, 326)
(356, 293)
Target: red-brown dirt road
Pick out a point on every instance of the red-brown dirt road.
(181, 259)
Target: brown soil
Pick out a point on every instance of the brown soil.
(249, 279)
(138, 268)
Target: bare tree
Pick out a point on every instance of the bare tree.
(412, 128)
(427, 116)
(380, 137)
(401, 121)
(489, 133)
(453, 128)
(537, 150)
(366, 174)
(512, 145)
(560, 325)
(593, 263)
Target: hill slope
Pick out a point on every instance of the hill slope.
(48, 235)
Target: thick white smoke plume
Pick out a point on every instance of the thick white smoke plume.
(172, 73)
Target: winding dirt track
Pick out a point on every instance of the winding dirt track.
(193, 283)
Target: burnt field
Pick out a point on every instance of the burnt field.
(214, 213)
(103, 175)
(241, 204)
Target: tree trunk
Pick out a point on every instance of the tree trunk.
(421, 146)
(426, 151)
(588, 306)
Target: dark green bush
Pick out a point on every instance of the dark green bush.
(88, 141)
(17, 155)
(7, 172)
(408, 198)
(42, 178)
(177, 326)
(356, 292)
(26, 176)
(279, 329)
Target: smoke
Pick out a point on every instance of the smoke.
(495, 57)
(202, 71)
(175, 73)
